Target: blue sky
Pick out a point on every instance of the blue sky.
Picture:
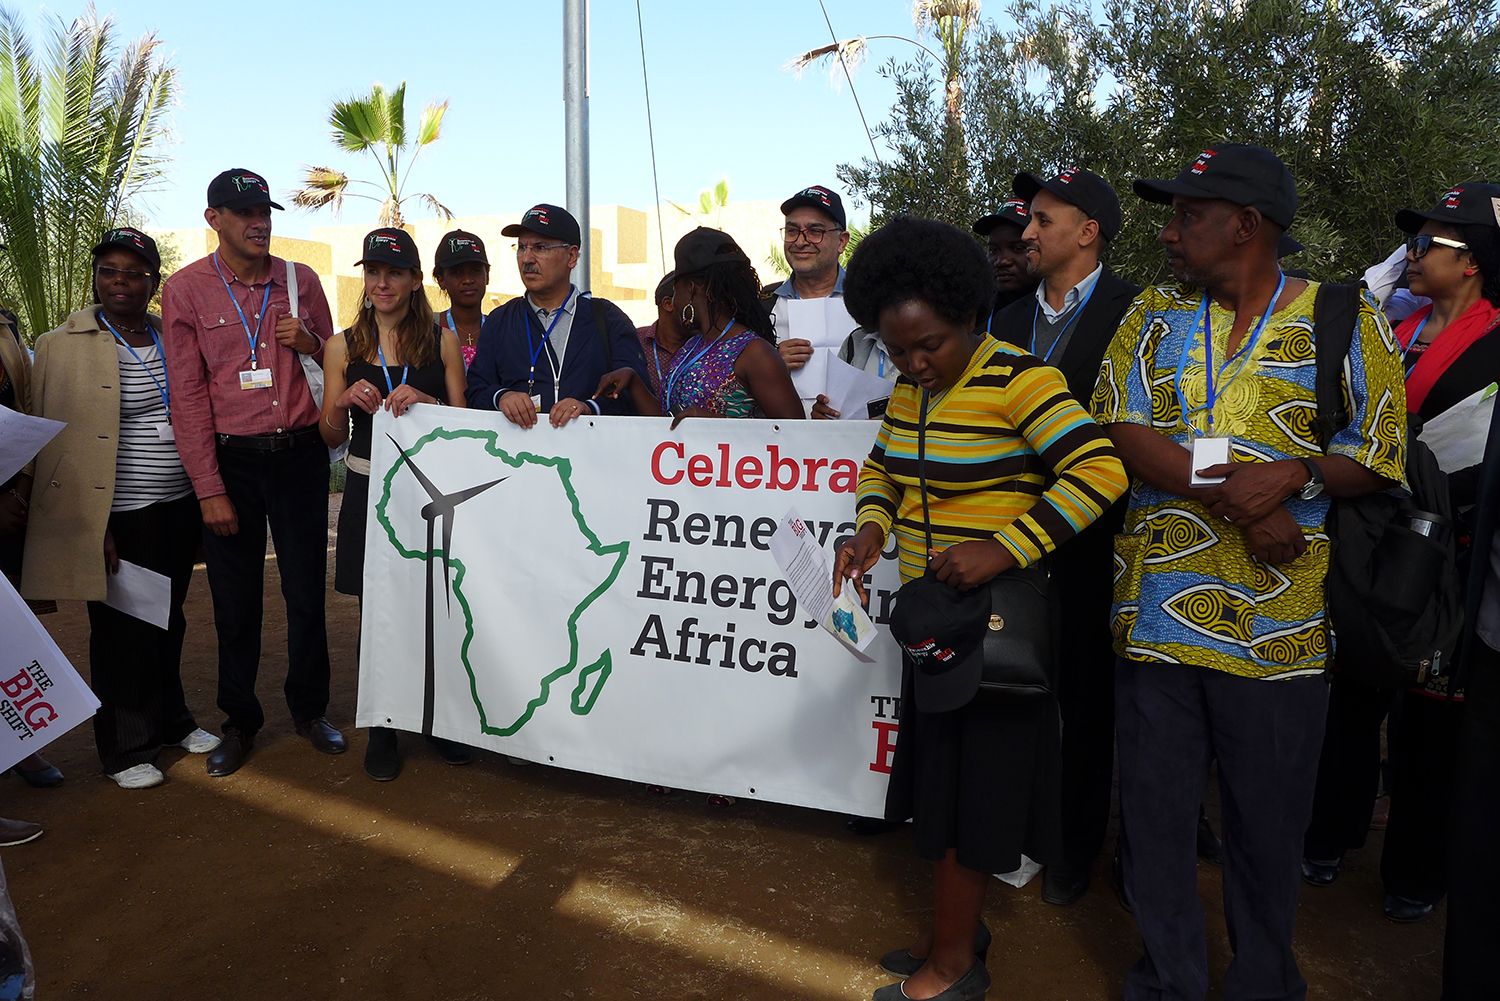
(254, 91)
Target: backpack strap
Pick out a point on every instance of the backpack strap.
(1335, 317)
(596, 306)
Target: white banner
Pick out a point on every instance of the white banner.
(41, 696)
(602, 597)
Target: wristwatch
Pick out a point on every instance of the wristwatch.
(1313, 487)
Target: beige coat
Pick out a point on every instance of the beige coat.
(76, 378)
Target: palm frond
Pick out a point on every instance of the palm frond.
(390, 212)
(396, 117)
(435, 205)
(430, 127)
(843, 56)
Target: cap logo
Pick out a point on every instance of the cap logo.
(126, 236)
(821, 194)
(538, 215)
(1201, 164)
(1450, 200)
(248, 182)
(1495, 204)
(929, 648)
(458, 243)
(1067, 174)
(1017, 205)
(384, 240)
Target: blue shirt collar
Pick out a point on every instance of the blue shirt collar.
(786, 289)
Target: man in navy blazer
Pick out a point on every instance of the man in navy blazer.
(546, 351)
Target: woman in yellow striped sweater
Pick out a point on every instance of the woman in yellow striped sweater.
(1015, 467)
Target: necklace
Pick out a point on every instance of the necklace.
(468, 340)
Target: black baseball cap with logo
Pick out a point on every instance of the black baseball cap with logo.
(702, 247)
(1012, 211)
(1085, 189)
(389, 245)
(547, 220)
(133, 240)
(459, 247)
(238, 188)
(1473, 203)
(942, 630)
(825, 200)
(1245, 175)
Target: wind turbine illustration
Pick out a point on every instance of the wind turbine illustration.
(440, 506)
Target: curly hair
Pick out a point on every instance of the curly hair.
(918, 260)
(1484, 246)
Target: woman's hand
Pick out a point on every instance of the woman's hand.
(111, 557)
(403, 396)
(855, 557)
(567, 409)
(362, 395)
(970, 564)
(678, 416)
(616, 382)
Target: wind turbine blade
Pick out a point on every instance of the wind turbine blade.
(464, 495)
(428, 485)
(447, 541)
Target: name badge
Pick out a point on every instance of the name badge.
(536, 401)
(255, 378)
(164, 432)
(1208, 452)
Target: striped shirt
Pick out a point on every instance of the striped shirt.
(995, 441)
(147, 469)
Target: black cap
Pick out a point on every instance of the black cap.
(133, 240)
(459, 247)
(1473, 203)
(389, 245)
(825, 200)
(1082, 188)
(239, 188)
(942, 630)
(665, 286)
(1287, 246)
(547, 220)
(1012, 211)
(1244, 175)
(704, 246)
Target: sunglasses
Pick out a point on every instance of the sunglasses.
(1418, 246)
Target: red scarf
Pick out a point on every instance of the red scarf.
(1451, 342)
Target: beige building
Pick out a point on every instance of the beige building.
(627, 250)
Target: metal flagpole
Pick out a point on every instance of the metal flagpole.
(576, 106)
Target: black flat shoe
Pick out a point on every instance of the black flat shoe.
(1404, 909)
(452, 751)
(231, 753)
(1062, 885)
(902, 963)
(382, 763)
(322, 735)
(1321, 872)
(866, 826)
(40, 778)
(972, 986)
(1210, 848)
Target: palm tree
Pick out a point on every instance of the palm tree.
(376, 125)
(82, 131)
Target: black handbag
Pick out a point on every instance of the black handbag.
(1016, 621)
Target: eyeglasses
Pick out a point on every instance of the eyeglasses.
(1418, 246)
(109, 274)
(538, 248)
(812, 234)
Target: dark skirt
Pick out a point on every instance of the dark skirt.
(349, 560)
(985, 779)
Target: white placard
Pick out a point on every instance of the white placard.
(1457, 435)
(143, 593)
(41, 695)
(21, 438)
(851, 390)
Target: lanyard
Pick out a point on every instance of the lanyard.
(536, 352)
(656, 357)
(163, 385)
(1209, 375)
(880, 354)
(1416, 336)
(677, 370)
(380, 351)
(259, 317)
(1077, 312)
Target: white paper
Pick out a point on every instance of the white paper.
(837, 323)
(21, 438)
(809, 573)
(143, 593)
(1208, 452)
(41, 695)
(811, 380)
(851, 389)
(825, 324)
(1458, 434)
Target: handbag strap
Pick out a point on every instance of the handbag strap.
(922, 474)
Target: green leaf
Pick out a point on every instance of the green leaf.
(705, 201)
(721, 192)
(431, 124)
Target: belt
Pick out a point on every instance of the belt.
(270, 442)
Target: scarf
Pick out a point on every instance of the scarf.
(1451, 342)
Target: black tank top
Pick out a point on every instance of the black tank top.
(430, 379)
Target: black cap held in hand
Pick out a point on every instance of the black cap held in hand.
(1473, 203)
(1085, 189)
(1245, 175)
(1014, 211)
(547, 220)
(825, 200)
(459, 247)
(389, 245)
(942, 630)
(133, 240)
(238, 188)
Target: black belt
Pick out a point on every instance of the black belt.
(269, 442)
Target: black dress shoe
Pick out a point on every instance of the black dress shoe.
(230, 754)
(865, 826)
(452, 751)
(1321, 872)
(47, 777)
(321, 734)
(382, 763)
(902, 963)
(972, 986)
(1404, 909)
(1210, 848)
(1063, 885)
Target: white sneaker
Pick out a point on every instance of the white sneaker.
(142, 776)
(200, 741)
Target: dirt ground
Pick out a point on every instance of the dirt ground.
(299, 877)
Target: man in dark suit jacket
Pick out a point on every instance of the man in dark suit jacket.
(1070, 322)
(1473, 921)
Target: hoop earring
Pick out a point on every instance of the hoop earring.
(368, 303)
(688, 313)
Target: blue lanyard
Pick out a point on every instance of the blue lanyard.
(1035, 316)
(656, 357)
(1209, 375)
(162, 386)
(259, 317)
(380, 352)
(677, 370)
(880, 354)
(536, 352)
(1416, 335)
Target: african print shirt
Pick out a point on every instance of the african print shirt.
(1187, 589)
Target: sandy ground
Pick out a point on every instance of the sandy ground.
(301, 878)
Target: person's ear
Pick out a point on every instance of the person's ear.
(1248, 222)
(572, 258)
(211, 216)
(843, 241)
(1088, 232)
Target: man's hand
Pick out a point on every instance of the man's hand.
(855, 557)
(969, 564)
(567, 409)
(293, 333)
(821, 411)
(111, 556)
(612, 384)
(518, 408)
(795, 352)
(219, 516)
(1276, 538)
(1251, 490)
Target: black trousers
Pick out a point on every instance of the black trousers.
(1173, 720)
(135, 667)
(1086, 696)
(287, 491)
(1473, 919)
